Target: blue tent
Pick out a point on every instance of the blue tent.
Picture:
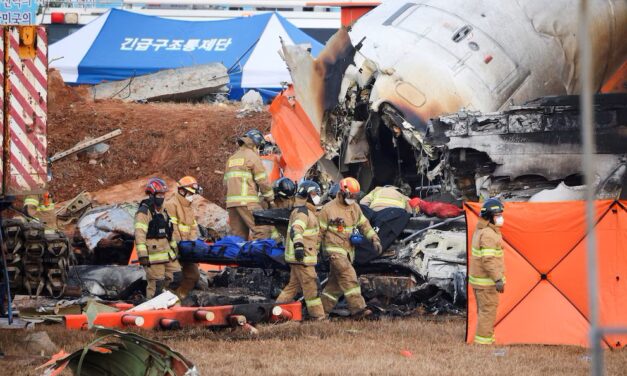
(121, 44)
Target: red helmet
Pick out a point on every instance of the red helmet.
(350, 187)
(156, 185)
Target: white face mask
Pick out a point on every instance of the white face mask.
(499, 221)
(349, 201)
(315, 200)
(190, 198)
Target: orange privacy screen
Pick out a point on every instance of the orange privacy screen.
(296, 136)
(546, 294)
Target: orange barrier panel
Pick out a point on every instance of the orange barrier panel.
(296, 136)
(184, 316)
(545, 299)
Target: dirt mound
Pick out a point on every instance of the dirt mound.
(174, 139)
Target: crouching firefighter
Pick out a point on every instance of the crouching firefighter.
(302, 248)
(487, 268)
(185, 227)
(337, 220)
(155, 247)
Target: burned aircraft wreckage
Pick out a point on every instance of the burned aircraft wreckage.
(437, 96)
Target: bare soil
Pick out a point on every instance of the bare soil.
(434, 347)
(175, 139)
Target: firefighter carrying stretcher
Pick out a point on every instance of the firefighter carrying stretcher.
(338, 219)
(302, 248)
(185, 227)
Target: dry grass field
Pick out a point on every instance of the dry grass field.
(343, 348)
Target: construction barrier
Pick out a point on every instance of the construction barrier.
(546, 293)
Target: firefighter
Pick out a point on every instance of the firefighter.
(185, 227)
(487, 268)
(302, 249)
(338, 219)
(385, 197)
(245, 179)
(155, 247)
(42, 209)
(284, 191)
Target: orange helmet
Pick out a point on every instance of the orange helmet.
(189, 183)
(350, 187)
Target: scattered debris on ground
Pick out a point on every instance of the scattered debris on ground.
(120, 353)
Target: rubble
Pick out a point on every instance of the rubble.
(112, 282)
(250, 102)
(184, 83)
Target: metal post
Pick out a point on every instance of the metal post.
(587, 135)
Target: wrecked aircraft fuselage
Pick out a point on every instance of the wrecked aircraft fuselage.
(373, 91)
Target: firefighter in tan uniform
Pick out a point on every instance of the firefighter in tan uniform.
(338, 219)
(43, 210)
(487, 268)
(386, 197)
(155, 247)
(302, 249)
(185, 227)
(245, 179)
(284, 191)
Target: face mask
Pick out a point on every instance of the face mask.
(499, 221)
(315, 200)
(158, 201)
(349, 201)
(189, 198)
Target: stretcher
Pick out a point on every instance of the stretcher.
(177, 317)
